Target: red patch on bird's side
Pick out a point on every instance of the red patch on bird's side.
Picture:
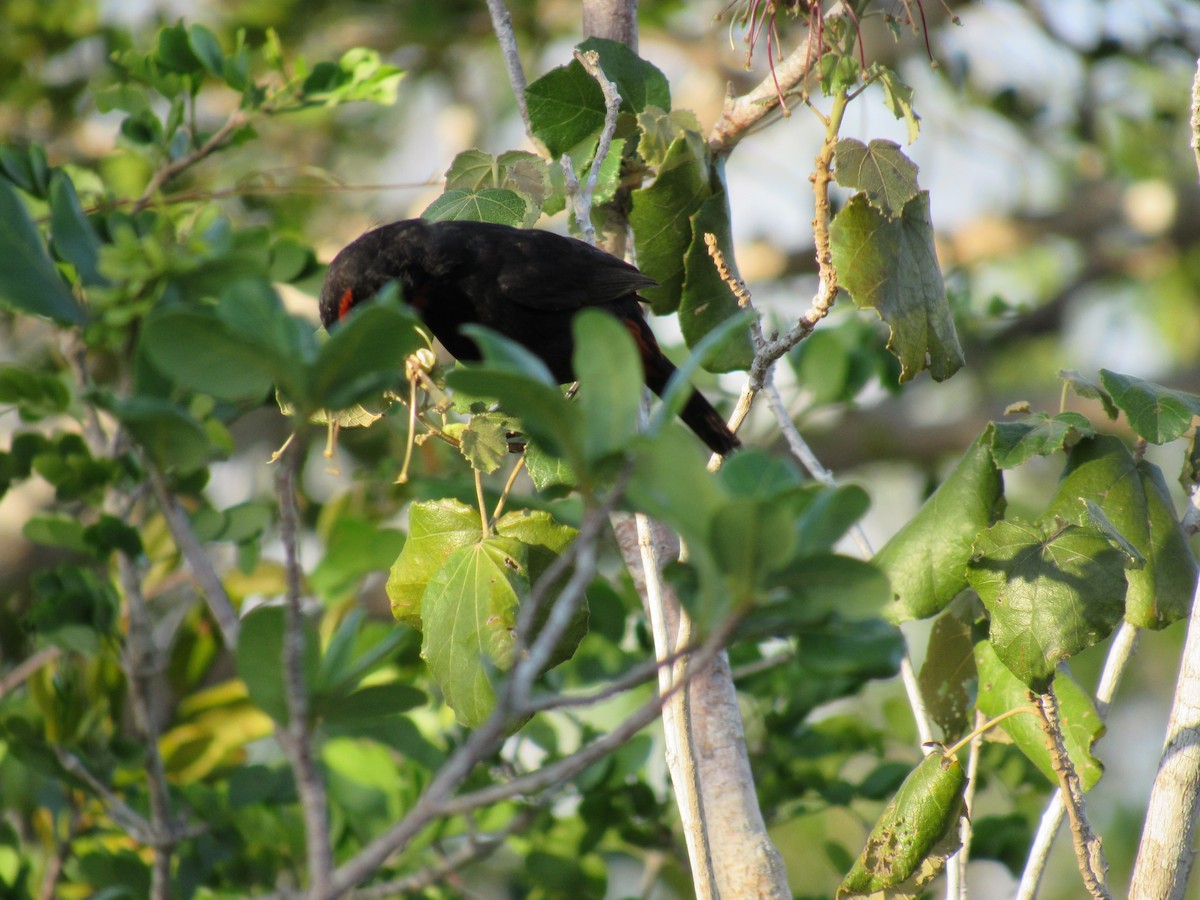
(344, 303)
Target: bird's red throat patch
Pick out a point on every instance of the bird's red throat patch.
(344, 303)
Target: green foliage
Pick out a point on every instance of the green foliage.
(916, 833)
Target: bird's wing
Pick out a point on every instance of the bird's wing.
(545, 271)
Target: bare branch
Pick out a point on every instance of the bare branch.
(143, 666)
(295, 736)
(198, 560)
(475, 847)
(502, 26)
(18, 674)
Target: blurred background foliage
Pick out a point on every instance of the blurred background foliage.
(1055, 146)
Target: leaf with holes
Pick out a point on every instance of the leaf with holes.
(1051, 592)
(891, 266)
(915, 835)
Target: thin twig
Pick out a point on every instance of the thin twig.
(582, 195)
(502, 25)
(1120, 652)
(475, 847)
(198, 560)
(1089, 852)
(143, 665)
(133, 823)
(295, 736)
(18, 674)
(215, 142)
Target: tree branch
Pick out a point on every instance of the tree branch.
(198, 560)
(1089, 852)
(295, 736)
(1120, 652)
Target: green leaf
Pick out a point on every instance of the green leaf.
(880, 170)
(72, 235)
(260, 659)
(1133, 496)
(109, 535)
(174, 52)
(661, 219)
(819, 584)
(566, 106)
(660, 129)
(891, 266)
(486, 205)
(53, 530)
(207, 49)
(198, 352)
(172, 437)
(1037, 434)
(897, 96)
(36, 395)
(707, 301)
(926, 559)
(1050, 593)
(484, 442)
(435, 530)
(28, 280)
(1000, 691)
(948, 675)
(915, 835)
(1157, 413)
(1089, 388)
(365, 355)
(609, 371)
(468, 617)
(550, 474)
(639, 83)
(371, 702)
(525, 389)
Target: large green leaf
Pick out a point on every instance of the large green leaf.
(260, 659)
(197, 351)
(1159, 414)
(172, 438)
(566, 106)
(1134, 498)
(891, 266)
(469, 617)
(609, 371)
(435, 530)
(28, 280)
(661, 219)
(640, 84)
(1000, 691)
(364, 356)
(915, 834)
(926, 559)
(1050, 592)
(707, 301)
(71, 234)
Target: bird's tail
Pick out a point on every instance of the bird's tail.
(697, 413)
